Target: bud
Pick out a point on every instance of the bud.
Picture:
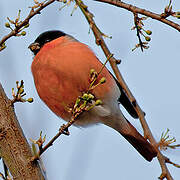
(177, 15)
(44, 139)
(92, 71)
(13, 92)
(34, 150)
(7, 25)
(90, 97)
(147, 38)
(98, 102)
(148, 32)
(139, 27)
(85, 96)
(166, 10)
(30, 100)
(21, 90)
(77, 101)
(23, 33)
(103, 80)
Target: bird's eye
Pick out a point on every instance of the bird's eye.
(47, 40)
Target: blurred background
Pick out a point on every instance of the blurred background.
(98, 152)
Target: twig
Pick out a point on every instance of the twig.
(18, 96)
(32, 13)
(135, 9)
(137, 29)
(170, 162)
(63, 130)
(112, 60)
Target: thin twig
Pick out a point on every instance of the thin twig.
(32, 13)
(137, 30)
(135, 9)
(63, 130)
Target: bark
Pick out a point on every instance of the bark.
(14, 148)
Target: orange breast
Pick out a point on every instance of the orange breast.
(61, 73)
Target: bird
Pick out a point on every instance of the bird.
(61, 69)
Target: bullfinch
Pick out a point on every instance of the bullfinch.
(61, 70)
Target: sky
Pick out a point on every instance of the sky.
(98, 152)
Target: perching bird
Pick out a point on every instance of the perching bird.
(61, 71)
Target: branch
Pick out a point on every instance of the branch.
(113, 62)
(63, 130)
(18, 26)
(14, 149)
(135, 9)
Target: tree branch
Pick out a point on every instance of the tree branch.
(135, 9)
(14, 149)
(147, 132)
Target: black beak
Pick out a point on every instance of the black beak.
(34, 47)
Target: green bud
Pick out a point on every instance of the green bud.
(103, 80)
(85, 96)
(92, 71)
(147, 38)
(27, 25)
(44, 139)
(30, 100)
(90, 97)
(77, 101)
(23, 33)
(34, 150)
(148, 32)
(177, 15)
(98, 102)
(139, 27)
(21, 90)
(7, 25)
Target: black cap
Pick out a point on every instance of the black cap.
(44, 38)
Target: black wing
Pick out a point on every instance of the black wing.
(124, 100)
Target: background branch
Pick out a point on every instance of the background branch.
(147, 13)
(18, 26)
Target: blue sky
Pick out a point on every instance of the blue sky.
(98, 152)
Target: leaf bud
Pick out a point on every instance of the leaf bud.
(85, 96)
(92, 71)
(90, 97)
(21, 90)
(7, 25)
(149, 32)
(98, 102)
(23, 33)
(30, 100)
(102, 80)
(147, 38)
